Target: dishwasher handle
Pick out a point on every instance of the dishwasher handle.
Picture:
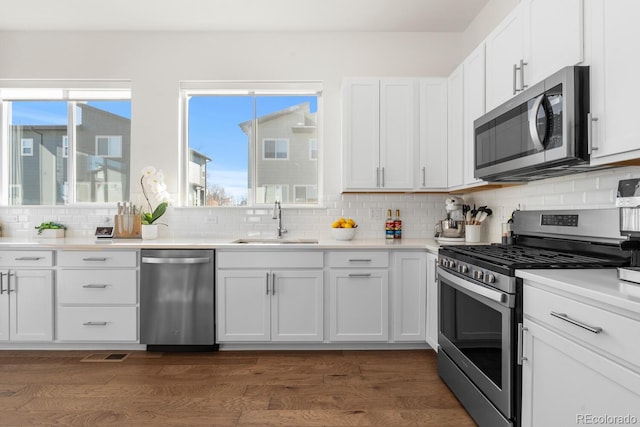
(179, 260)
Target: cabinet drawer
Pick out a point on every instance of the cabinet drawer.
(350, 259)
(19, 259)
(97, 324)
(97, 287)
(270, 259)
(616, 336)
(98, 259)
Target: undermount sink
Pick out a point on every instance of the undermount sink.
(274, 241)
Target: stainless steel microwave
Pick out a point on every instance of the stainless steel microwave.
(540, 133)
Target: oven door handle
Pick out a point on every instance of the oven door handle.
(496, 296)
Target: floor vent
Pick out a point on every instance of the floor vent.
(105, 357)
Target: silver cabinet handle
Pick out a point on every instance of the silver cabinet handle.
(521, 331)
(515, 71)
(359, 274)
(155, 260)
(590, 120)
(29, 258)
(273, 283)
(377, 177)
(94, 324)
(424, 176)
(435, 270)
(9, 290)
(94, 286)
(382, 178)
(522, 85)
(359, 259)
(267, 283)
(563, 316)
(1, 283)
(94, 259)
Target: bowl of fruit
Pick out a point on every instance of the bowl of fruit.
(344, 229)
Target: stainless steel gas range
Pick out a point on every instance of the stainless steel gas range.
(480, 302)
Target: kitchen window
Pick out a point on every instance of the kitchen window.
(82, 135)
(250, 142)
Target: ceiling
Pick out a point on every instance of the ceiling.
(239, 15)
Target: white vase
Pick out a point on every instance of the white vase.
(149, 231)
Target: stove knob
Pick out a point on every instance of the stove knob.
(463, 269)
(478, 275)
(490, 278)
(442, 262)
(451, 264)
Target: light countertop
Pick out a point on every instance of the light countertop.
(75, 243)
(600, 286)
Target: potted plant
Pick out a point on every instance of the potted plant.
(50, 230)
(153, 181)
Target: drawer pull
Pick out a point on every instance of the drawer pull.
(563, 316)
(94, 324)
(359, 274)
(94, 259)
(29, 258)
(94, 286)
(359, 260)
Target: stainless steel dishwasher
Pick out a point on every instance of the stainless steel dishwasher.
(177, 300)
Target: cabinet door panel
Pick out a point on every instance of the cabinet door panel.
(554, 32)
(409, 296)
(504, 49)
(31, 305)
(432, 301)
(564, 381)
(4, 307)
(361, 133)
(243, 306)
(359, 305)
(473, 101)
(296, 306)
(432, 171)
(455, 148)
(398, 133)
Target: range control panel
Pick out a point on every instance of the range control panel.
(560, 220)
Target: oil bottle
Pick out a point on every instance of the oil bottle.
(397, 226)
(389, 226)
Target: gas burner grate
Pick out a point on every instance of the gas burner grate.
(521, 257)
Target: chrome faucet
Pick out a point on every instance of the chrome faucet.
(277, 215)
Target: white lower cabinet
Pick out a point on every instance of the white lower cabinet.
(358, 296)
(409, 301)
(97, 296)
(432, 301)
(572, 375)
(26, 305)
(270, 304)
(26, 296)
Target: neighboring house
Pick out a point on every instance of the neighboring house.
(197, 177)
(39, 170)
(288, 135)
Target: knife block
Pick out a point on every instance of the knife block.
(128, 226)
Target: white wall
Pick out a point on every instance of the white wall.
(488, 18)
(156, 63)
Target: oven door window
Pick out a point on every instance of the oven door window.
(475, 329)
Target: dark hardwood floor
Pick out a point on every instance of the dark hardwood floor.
(270, 388)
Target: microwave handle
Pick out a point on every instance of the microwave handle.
(533, 128)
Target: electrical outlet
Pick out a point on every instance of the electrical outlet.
(374, 213)
(211, 219)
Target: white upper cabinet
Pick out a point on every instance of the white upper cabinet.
(455, 137)
(553, 37)
(612, 31)
(380, 134)
(535, 40)
(432, 168)
(473, 100)
(504, 52)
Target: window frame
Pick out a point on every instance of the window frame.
(23, 146)
(190, 88)
(70, 91)
(275, 148)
